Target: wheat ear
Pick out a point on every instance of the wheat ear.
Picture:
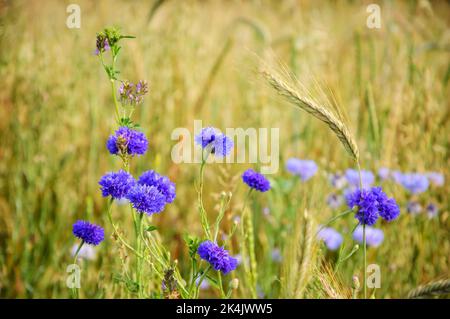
(309, 105)
(440, 287)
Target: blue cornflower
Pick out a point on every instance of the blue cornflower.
(374, 236)
(383, 173)
(432, 210)
(396, 176)
(414, 208)
(222, 145)
(162, 183)
(372, 203)
(256, 180)
(206, 136)
(415, 183)
(91, 234)
(387, 207)
(219, 143)
(337, 180)
(217, 256)
(146, 199)
(331, 237)
(352, 177)
(367, 205)
(334, 200)
(305, 169)
(127, 141)
(436, 178)
(117, 184)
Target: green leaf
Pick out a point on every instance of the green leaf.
(151, 228)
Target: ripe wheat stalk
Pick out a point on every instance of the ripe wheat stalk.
(440, 287)
(320, 112)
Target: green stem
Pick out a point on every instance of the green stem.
(247, 238)
(203, 214)
(364, 238)
(138, 229)
(202, 277)
(116, 232)
(219, 279)
(334, 219)
(75, 289)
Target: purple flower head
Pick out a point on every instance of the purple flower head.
(305, 169)
(367, 205)
(133, 94)
(162, 183)
(219, 143)
(331, 238)
(91, 234)
(146, 199)
(396, 176)
(415, 183)
(101, 44)
(217, 256)
(127, 141)
(338, 180)
(352, 177)
(206, 136)
(335, 200)
(222, 145)
(383, 173)
(387, 207)
(117, 184)
(436, 178)
(372, 203)
(414, 208)
(432, 210)
(374, 236)
(256, 180)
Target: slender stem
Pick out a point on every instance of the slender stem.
(202, 277)
(365, 260)
(203, 215)
(113, 87)
(75, 289)
(247, 238)
(116, 232)
(219, 279)
(138, 228)
(334, 219)
(364, 238)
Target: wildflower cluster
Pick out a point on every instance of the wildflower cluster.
(218, 257)
(256, 180)
(91, 234)
(305, 169)
(371, 204)
(133, 94)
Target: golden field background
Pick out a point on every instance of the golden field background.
(201, 59)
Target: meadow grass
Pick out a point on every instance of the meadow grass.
(201, 60)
